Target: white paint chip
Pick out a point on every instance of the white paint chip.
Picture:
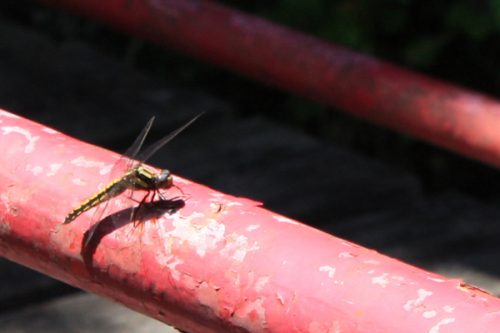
(448, 309)
(53, 169)
(283, 219)
(436, 279)
(329, 269)
(49, 130)
(202, 238)
(261, 283)
(106, 169)
(429, 314)
(437, 328)
(6, 114)
(381, 280)
(35, 170)
(82, 161)
(30, 147)
(415, 303)
(237, 247)
(253, 227)
(346, 254)
(78, 181)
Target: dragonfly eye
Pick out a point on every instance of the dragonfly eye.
(164, 180)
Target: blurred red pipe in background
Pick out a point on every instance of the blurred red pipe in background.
(212, 263)
(443, 114)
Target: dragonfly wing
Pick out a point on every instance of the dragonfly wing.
(139, 141)
(126, 161)
(151, 150)
(121, 166)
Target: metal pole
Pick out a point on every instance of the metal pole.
(446, 115)
(213, 262)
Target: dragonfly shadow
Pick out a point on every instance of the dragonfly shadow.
(144, 212)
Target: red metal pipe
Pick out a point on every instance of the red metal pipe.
(217, 264)
(443, 114)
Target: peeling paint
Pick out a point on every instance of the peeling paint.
(251, 315)
(106, 169)
(329, 269)
(472, 289)
(348, 244)
(317, 327)
(232, 203)
(346, 254)
(54, 168)
(207, 295)
(237, 247)
(4, 228)
(448, 309)
(84, 162)
(436, 279)
(217, 208)
(203, 236)
(261, 283)
(78, 181)
(437, 328)
(221, 201)
(283, 219)
(5, 200)
(7, 114)
(280, 298)
(35, 170)
(49, 130)
(429, 314)
(415, 303)
(253, 227)
(381, 280)
(30, 147)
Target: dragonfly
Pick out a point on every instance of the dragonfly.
(137, 176)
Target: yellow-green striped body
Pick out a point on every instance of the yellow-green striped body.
(139, 178)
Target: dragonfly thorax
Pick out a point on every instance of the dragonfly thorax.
(145, 178)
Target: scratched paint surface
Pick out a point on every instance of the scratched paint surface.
(219, 263)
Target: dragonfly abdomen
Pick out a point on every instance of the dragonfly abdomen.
(112, 190)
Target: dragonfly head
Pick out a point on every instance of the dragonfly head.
(164, 180)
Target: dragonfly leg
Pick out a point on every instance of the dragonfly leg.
(136, 211)
(180, 190)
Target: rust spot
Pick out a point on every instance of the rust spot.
(13, 210)
(220, 208)
(4, 227)
(474, 290)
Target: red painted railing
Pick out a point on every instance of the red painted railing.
(212, 262)
(443, 114)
